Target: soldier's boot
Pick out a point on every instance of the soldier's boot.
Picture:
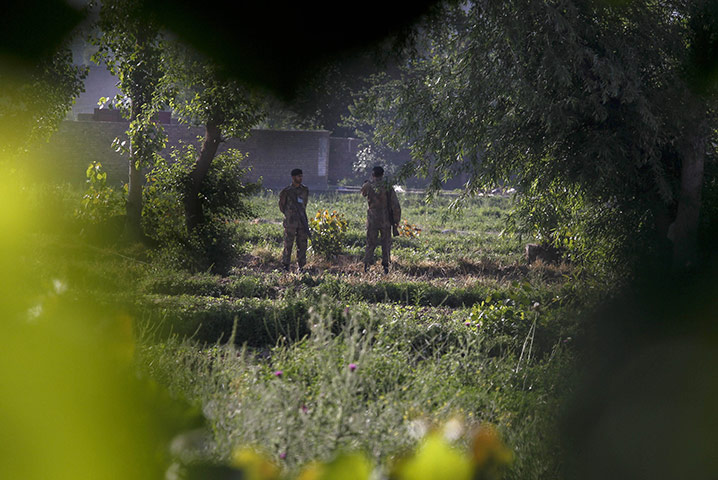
(386, 268)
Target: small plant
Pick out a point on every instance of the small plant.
(502, 321)
(328, 232)
(99, 201)
(409, 230)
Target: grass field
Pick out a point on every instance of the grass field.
(461, 332)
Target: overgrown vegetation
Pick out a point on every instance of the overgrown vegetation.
(602, 112)
(192, 355)
(462, 335)
(328, 230)
(212, 243)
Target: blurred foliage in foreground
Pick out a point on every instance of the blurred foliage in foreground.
(71, 404)
(435, 458)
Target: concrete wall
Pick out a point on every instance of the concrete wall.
(272, 154)
(342, 155)
(75, 145)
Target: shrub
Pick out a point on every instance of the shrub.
(101, 210)
(181, 283)
(99, 201)
(213, 245)
(502, 321)
(328, 232)
(605, 238)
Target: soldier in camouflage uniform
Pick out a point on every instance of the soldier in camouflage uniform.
(383, 216)
(293, 204)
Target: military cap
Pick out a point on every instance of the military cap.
(377, 171)
(297, 171)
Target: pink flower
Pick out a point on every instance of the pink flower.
(468, 324)
(304, 409)
(283, 455)
(278, 373)
(352, 367)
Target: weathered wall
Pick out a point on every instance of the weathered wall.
(274, 153)
(271, 153)
(75, 145)
(342, 155)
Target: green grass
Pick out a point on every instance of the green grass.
(407, 373)
(418, 360)
(461, 328)
(450, 235)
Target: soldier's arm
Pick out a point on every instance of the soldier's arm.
(365, 188)
(282, 201)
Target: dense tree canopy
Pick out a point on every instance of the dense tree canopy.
(572, 99)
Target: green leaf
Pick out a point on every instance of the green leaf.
(435, 459)
(346, 466)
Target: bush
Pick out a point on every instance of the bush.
(328, 232)
(256, 322)
(99, 201)
(101, 211)
(608, 238)
(214, 243)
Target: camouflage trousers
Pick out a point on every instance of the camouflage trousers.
(290, 235)
(373, 234)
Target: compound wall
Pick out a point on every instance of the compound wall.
(272, 154)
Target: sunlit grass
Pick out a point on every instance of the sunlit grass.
(415, 360)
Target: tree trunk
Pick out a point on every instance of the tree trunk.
(133, 222)
(192, 205)
(684, 231)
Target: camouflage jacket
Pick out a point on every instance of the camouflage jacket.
(379, 194)
(293, 203)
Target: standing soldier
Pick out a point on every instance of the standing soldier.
(293, 204)
(383, 216)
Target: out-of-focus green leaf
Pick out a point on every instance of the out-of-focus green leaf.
(345, 466)
(434, 459)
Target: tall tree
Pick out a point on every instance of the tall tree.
(130, 45)
(202, 95)
(584, 96)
